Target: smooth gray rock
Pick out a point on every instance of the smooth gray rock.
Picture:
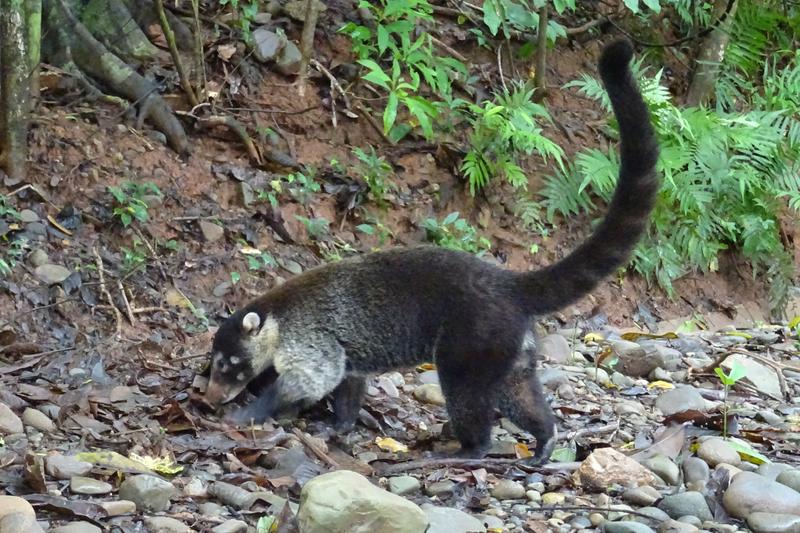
(267, 44)
(19, 523)
(554, 348)
(506, 489)
(149, 493)
(773, 523)
(402, 485)
(644, 495)
(790, 478)
(10, 423)
(450, 520)
(686, 503)
(164, 524)
(681, 399)
(88, 485)
(663, 467)
(715, 451)
(626, 527)
(673, 526)
(695, 469)
(65, 466)
(289, 59)
(749, 493)
(37, 420)
(655, 514)
(772, 470)
(51, 274)
(78, 527)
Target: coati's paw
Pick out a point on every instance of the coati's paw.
(544, 449)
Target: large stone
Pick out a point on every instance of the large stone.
(10, 423)
(790, 478)
(149, 493)
(633, 361)
(346, 502)
(88, 485)
(402, 485)
(65, 466)
(51, 274)
(626, 527)
(37, 420)
(211, 232)
(773, 523)
(165, 524)
(80, 527)
(449, 520)
(554, 348)
(681, 399)
(507, 489)
(14, 504)
(289, 60)
(686, 503)
(663, 467)
(607, 466)
(749, 493)
(18, 523)
(715, 451)
(695, 469)
(430, 393)
(267, 44)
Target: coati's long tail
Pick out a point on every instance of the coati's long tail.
(608, 249)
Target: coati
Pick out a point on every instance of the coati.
(323, 331)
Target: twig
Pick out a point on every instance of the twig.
(449, 49)
(104, 289)
(315, 449)
(128, 309)
(571, 435)
(152, 251)
(142, 310)
(500, 68)
(173, 50)
(467, 464)
(609, 509)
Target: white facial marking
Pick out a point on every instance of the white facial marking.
(250, 322)
(235, 360)
(240, 376)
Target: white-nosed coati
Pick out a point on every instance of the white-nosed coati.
(326, 329)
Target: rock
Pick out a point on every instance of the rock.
(26, 216)
(770, 418)
(13, 504)
(79, 527)
(297, 9)
(402, 485)
(686, 503)
(490, 522)
(346, 502)
(761, 376)
(164, 524)
(680, 399)
(388, 387)
(715, 451)
(88, 485)
(222, 288)
(772, 470)
(655, 514)
(668, 358)
(211, 509)
(267, 44)
(627, 407)
(230, 526)
(695, 469)
(506, 489)
(211, 232)
(18, 523)
(554, 348)
(691, 520)
(119, 507)
(38, 257)
(149, 493)
(289, 60)
(65, 466)
(642, 496)
(450, 520)
(633, 360)
(37, 420)
(599, 376)
(673, 526)
(51, 274)
(761, 522)
(10, 423)
(533, 496)
(626, 527)
(790, 478)
(552, 378)
(553, 498)
(441, 488)
(663, 467)
(659, 374)
(606, 466)
(622, 381)
(429, 393)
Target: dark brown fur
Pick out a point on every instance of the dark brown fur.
(325, 330)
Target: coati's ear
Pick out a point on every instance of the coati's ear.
(250, 322)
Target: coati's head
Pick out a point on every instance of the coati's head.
(243, 347)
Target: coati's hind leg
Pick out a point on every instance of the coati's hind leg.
(347, 399)
(521, 399)
(470, 393)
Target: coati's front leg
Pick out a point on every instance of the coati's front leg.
(347, 399)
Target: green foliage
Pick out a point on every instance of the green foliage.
(375, 171)
(529, 212)
(736, 373)
(130, 201)
(298, 185)
(245, 12)
(522, 16)
(375, 227)
(317, 228)
(12, 255)
(456, 233)
(503, 131)
(399, 62)
(262, 261)
(133, 258)
(726, 175)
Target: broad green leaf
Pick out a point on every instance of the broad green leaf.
(746, 452)
(633, 5)
(491, 16)
(449, 219)
(654, 5)
(383, 39)
(390, 113)
(375, 75)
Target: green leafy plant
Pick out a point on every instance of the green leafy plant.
(130, 201)
(262, 261)
(409, 61)
(12, 255)
(503, 131)
(522, 16)
(456, 233)
(728, 380)
(135, 257)
(245, 13)
(376, 228)
(376, 172)
(300, 186)
(317, 228)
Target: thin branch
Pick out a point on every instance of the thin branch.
(173, 50)
(117, 315)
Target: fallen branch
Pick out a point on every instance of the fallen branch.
(490, 464)
(128, 309)
(238, 128)
(315, 449)
(117, 315)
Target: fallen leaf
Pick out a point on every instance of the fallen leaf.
(660, 385)
(522, 450)
(226, 51)
(633, 336)
(162, 465)
(177, 299)
(424, 367)
(388, 444)
(113, 460)
(593, 337)
(746, 452)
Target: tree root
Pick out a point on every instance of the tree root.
(94, 59)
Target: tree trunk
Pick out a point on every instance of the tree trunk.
(710, 56)
(539, 75)
(33, 12)
(14, 90)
